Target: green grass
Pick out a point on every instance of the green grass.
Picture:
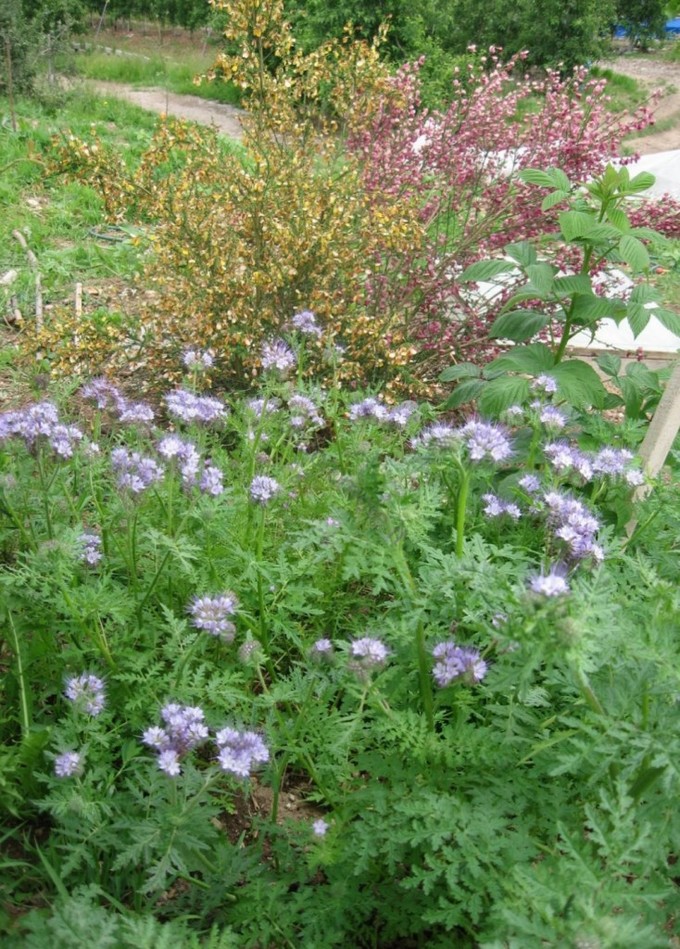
(159, 71)
(626, 93)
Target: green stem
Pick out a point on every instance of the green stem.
(45, 492)
(152, 585)
(463, 492)
(23, 695)
(424, 676)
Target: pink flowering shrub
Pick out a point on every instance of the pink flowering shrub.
(461, 167)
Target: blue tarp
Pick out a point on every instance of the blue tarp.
(672, 29)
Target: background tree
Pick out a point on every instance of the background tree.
(643, 20)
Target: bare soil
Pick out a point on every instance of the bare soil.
(654, 74)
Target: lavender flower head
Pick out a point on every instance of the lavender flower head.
(485, 440)
(173, 447)
(552, 417)
(321, 651)
(67, 764)
(367, 654)
(551, 584)
(457, 662)
(320, 827)
(574, 525)
(212, 480)
(90, 548)
(135, 472)
(278, 355)
(263, 489)
(496, 507)
(529, 483)
(212, 614)
(197, 360)
(545, 383)
(240, 752)
(189, 407)
(86, 691)
(184, 729)
(438, 433)
(305, 323)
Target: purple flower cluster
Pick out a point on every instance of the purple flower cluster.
(552, 584)
(496, 507)
(573, 524)
(321, 650)
(210, 480)
(86, 691)
(184, 729)
(546, 384)
(551, 417)
(278, 355)
(457, 662)
(608, 462)
(40, 421)
(105, 394)
(263, 489)
(368, 654)
(67, 764)
(213, 614)
(90, 548)
(303, 412)
(379, 412)
(189, 407)
(485, 440)
(261, 407)
(305, 323)
(438, 433)
(240, 752)
(135, 472)
(197, 360)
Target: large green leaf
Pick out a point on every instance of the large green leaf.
(576, 224)
(463, 370)
(668, 319)
(638, 317)
(523, 252)
(574, 283)
(501, 393)
(486, 270)
(464, 392)
(619, 219)
(518, 325)
(634, 253)
(579, 383)
(534, 358)
(541, 277)
(588, 308)
(641, 182)
(555, 197)
(609, 364)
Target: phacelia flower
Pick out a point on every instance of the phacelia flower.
(67, 764)
(545, 383)
(437, 434)
(184, 729)
(529, 483)
(240, 752)
(305, 323)
(368, 654)
(457, 662)
(278, 355)
(90, 548)
(552, 417)
(135, 472)
(189, 407)
(212, 614)
(553, 583)
(320, 827)
(87, 692)
(496, 507)
(197, 360)
(211, 481)
(485, 440)
(263, 488)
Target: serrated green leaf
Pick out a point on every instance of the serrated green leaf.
(641, 182)
(550, 200)
(486, 270)
(668, 319)
(518, 325)
(463, 370)
(579, 383)
(638, 317)
(523, 252)
(464, 392)
(522, 296)
(587, 308)
(574, 283)
(618, 218)
(541, 277)
(609, 364)
(534, 358)
(634, 253)
(535, 176)
(576, 225)
(501, 393)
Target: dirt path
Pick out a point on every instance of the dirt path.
(654, 73)
(226, 118)
(650, 71)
